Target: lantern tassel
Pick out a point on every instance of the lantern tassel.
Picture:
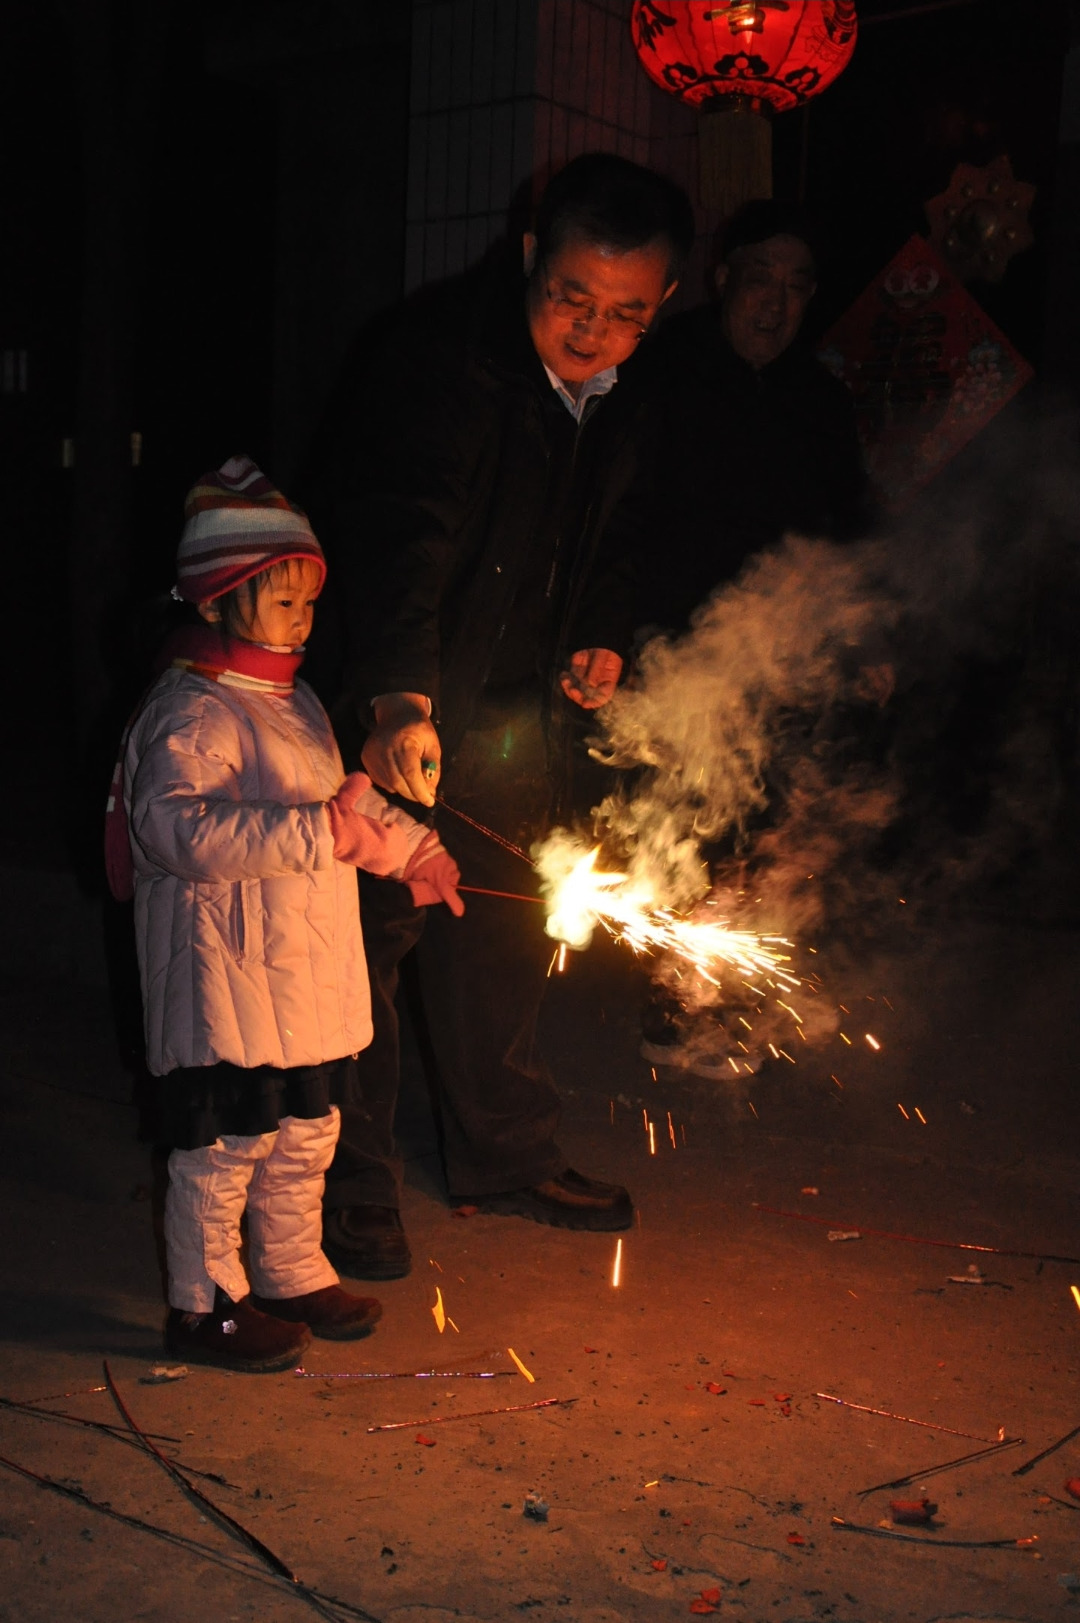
(735, 148)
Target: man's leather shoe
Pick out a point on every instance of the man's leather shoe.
(367, 1242)
(569, 1201)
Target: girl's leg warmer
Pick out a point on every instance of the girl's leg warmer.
(285, 1209)
(208, 1189)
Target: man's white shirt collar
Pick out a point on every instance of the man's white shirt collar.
(600, 383)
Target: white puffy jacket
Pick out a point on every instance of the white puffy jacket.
(248, 929)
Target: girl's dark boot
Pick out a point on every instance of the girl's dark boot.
(235, 1335)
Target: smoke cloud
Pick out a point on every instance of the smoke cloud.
(842, 726)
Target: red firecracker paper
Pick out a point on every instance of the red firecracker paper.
(659, 1566)
(707, 1601)
(425, 1442)
(912, 1512)
(926, 365)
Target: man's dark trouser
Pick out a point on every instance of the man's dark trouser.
(482, 980)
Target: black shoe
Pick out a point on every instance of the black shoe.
(569, 1201)
(367, 1242)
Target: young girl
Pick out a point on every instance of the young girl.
(255, 991)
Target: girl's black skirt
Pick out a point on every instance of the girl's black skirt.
(198, 1104)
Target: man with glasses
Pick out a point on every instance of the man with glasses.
(486, 442)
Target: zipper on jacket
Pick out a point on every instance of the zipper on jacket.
(553, 573)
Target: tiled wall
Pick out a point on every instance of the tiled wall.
(504, 92)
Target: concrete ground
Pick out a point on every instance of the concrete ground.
(689, 1455)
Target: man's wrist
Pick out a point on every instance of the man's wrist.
(400, 707)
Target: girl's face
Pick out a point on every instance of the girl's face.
(281, 608)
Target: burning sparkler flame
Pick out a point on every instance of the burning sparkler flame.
(580, 898)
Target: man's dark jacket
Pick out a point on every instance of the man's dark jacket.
(461, 505)
(737, 457)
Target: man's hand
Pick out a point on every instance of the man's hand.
(403, 755)
(592, 678)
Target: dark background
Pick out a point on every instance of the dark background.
(204, 202)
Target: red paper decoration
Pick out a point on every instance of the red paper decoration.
(780, 52)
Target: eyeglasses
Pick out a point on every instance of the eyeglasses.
(583, 314)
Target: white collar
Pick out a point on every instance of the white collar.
(600, 383)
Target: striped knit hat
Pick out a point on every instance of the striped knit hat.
(237, 524)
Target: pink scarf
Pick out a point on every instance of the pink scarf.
(217, 656)
(206, 652)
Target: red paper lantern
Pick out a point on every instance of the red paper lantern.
(738, 64)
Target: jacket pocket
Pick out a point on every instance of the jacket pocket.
(237, 923)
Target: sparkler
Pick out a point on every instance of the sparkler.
(400, 1374)
(475, 1414)
(580, 898)
(909, 1420)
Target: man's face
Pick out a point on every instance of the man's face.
(766, 288)
(588, 306)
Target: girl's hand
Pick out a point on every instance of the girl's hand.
(364, 842)
(433, 876)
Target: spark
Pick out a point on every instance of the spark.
(528, 1374)
(645, 1119)
(794, 1015)
(745, 1023)
(902, 1111)
(653, 1070)
(581, 898)
(551, 966)
(734, 1064)
(750, 1102)
(652, 1138)
(433, 1264)
(611, 1102)
(671, 1132)
(560, 967)
(616, 1270)
(920, 1115)
(774, 1051)
(845, 1039)
(874, 1044)
(438, 1312)
(785, 1055)
(886, 1002)
(837, 1080)
(1075, 1289)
